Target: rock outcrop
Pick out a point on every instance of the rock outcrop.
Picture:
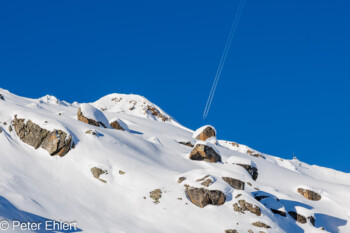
(234, 183)
(202, 197)
(156, 195)
(89, 121)
(253, 171)
(302, 219)
(204, 152)
(2, 97)
(261, 224)
(189, 144)
(56, 142)
(181, 179)
(242, 206)
(205, 132)
(97, 172)
(231, 231)
(115, 124)
(308, 194)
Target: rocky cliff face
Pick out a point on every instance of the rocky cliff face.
(55, 142)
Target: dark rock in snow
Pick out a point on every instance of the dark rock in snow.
(202, 197)
(206, 153)
(282, 213)
(89, 121)
(206, 133)
(242, 206)
(261, 224)
(97, 172)
(189, 144)
(253, 171)
(231, 231)
(115, 124)
(156, 195)
(308, 194)
(234, 183)
(298, 217)
(181, 179)
(56, 142)
(2, 97)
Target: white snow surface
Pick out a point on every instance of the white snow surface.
(35, 186)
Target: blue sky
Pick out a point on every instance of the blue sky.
(284, 88)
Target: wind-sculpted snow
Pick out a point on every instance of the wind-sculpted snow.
(141, 168)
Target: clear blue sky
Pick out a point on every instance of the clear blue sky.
(284, 88)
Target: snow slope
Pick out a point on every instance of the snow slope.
(35, 186)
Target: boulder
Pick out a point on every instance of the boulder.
(56, 142)
(204, 133)
(242, 206)
(115, 124)
(204, 152)
(189, 144)
(279, 212)
(253, 171)
(231, 231)
(181, 179)
(202, 197)
(261, 224)
(97, 172)
(308, 194)
(92, 116)
(2, 97)
(234, 183)
(298, 217)
(156, 195)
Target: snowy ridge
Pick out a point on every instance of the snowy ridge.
(148, 157)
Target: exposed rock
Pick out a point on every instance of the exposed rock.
(181, 179)
(261, 224)
(252, 153)
(308, 194)
(55, 142)
(312, 220)
(30, 133)
(206, 132)
(156, 195)
(4, 123)
(248, 183)
(156, 113)
(0, 130)
(206, 153)
(122, 172)
(238, 195)
(282, 213)
(90, 131)
(298, 217)
(10, 128)
(203, 178)
(2, 97)
(253, 171)
(207, 182)
(189, 144)
(202, 197)
(259, 198)
(231, 231)
(242, 206)
(115, 124)
(234, 183)
(89, 121)
(97, 172)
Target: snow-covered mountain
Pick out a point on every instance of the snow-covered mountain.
(122, 165)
